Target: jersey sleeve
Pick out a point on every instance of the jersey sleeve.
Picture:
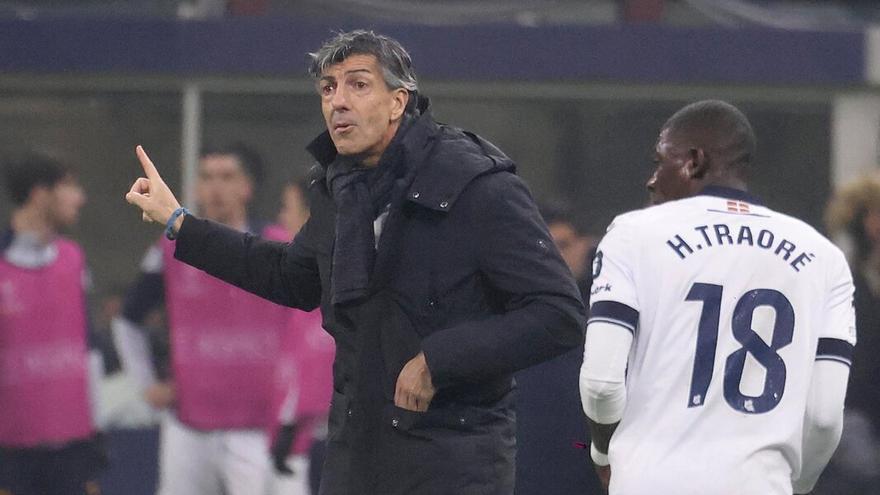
(613, 293)
(837, 336)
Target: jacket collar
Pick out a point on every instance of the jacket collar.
(730, 193)
(439, 182)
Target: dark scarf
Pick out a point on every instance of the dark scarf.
(361, 194)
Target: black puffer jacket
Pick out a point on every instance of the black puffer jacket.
(465, 271)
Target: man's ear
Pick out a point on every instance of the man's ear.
(400, 97)
(699, 163)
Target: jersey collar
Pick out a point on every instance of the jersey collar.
(730, 193)
(26, 250)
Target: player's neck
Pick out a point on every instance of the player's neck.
(33, 221)
(730, 182)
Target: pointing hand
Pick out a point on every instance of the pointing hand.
(151, 194)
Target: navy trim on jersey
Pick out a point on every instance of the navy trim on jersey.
(834, 350)
(615, 313)
(730, 193)
(835, 359)
(612, 322)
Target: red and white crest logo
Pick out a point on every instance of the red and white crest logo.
(737, 206)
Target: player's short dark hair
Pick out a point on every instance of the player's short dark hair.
(22, 175)
(722, 126)
(250, 159)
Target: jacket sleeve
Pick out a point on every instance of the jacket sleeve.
(284, 273)
(540, 312)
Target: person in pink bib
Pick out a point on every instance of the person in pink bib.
(304, 375)
(48, 436)
(224, 345)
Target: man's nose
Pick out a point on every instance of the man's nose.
(339, 99)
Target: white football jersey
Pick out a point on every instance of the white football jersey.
(730, 303)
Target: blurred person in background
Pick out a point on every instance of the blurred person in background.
(304, 376)
(122, 404)
(109, 307)
(576, 244)
(49, 444)
(547, 461)
(224, 346)
(294, 212)
(854, 212)
(433, 269)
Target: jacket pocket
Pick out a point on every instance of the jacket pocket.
(398, 339)
(446, 450)
(435, 423)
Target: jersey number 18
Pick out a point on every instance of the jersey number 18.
(752, 343)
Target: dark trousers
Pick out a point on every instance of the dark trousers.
(67, 470)
(316, 464)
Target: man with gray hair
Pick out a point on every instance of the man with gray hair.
(432, 267)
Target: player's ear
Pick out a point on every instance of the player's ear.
(698, 163)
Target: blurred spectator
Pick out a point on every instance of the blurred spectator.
(294, 210)
(573, 240)
(855, 212)
(547, 461)
(48, 439)
(304, 377)
(121, 405)
(109, 307)
(224, 349)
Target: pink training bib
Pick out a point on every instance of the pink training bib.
(44, 396)
(224, 348)
(305, 376)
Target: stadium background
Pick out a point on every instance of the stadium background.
(573, 90)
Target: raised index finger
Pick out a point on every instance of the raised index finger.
(149, 168)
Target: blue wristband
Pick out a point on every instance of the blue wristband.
(169, 227)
